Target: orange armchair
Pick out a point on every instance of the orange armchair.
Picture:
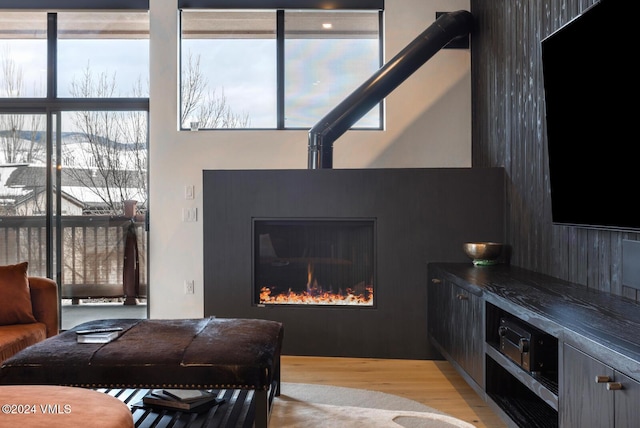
(44, 300)
(45, 307)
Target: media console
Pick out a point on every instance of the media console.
(541, 351)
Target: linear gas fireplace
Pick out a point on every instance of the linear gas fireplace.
(314, 262)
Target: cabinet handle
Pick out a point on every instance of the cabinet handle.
(614, 386)
(461, 296)
(602, 379)
(436, 280)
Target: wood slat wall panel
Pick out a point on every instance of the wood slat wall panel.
(509, 131)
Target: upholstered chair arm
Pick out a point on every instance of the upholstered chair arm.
(44, 300)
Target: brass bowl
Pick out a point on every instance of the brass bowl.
(483, 253)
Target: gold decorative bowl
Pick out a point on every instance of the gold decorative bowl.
(483, 253)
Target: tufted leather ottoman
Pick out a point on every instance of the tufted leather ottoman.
(47, 406)
(210, 353)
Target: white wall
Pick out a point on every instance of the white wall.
(428, 124)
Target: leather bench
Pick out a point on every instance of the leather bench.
(210, 353)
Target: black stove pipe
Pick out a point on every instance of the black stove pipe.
(447, 27)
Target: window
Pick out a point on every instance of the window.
(23, 54)
(73, 141)
(328, 54)
(228, 63)
(103, 54)
(274, 69)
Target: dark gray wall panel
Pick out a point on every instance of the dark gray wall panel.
(508, 130)
(422, 215)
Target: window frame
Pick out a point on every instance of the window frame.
(78, 5)
(280, 7)
(53, 106)
(52, 102)
(280, 4)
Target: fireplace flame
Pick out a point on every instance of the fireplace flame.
(312, 283)
(318, 297)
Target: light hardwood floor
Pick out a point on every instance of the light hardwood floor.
(433, 383)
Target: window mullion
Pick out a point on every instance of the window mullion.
(52, 54)
(51, 214)
(280, 68)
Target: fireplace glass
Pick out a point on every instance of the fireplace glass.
(314, 262)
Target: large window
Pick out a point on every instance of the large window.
(73, 146)
(274, 69)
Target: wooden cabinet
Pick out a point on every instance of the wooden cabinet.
(591, 334)
(595, 395)
(455, 325)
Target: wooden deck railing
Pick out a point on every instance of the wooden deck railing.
(93, 254)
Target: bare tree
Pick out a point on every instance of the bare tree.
(18, 132)
(203, 104)
(110, 157)
(135, 130)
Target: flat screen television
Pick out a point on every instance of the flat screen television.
(591, 99)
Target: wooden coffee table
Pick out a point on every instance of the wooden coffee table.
(210, 353)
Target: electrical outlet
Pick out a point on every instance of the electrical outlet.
(189, 286)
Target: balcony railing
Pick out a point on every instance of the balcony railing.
(102, 256)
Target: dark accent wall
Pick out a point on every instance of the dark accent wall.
(508, 130)
(420, 215)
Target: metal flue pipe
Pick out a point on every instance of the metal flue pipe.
(447, 27)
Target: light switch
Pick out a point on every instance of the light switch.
(189, 192)
(189, 214)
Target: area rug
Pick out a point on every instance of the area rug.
(321, 406)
